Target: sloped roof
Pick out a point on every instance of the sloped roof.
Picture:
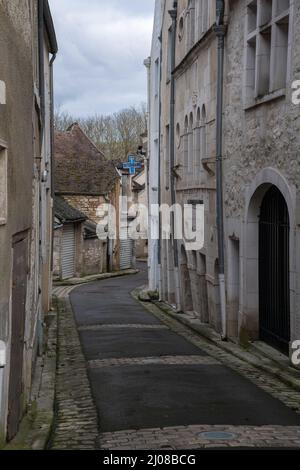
(66, 213)
(80, 168)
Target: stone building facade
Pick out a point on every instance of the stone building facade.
(27, 50)
(261, 164)
(262, 171)
(86, 181)
(89, 255)
(195, 277)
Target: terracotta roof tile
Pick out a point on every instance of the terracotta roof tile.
(80, 168)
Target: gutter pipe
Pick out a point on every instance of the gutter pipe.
(220, 31)
(173, 14)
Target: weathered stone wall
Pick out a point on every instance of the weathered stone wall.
(89, 205)
(57, 244)
(261, 144)
(265, 135)
(29, 210)
(94, 257)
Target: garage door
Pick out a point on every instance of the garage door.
(68, 251)
(126, 254)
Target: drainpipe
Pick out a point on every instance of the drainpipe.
(220, 30)
(159, 249)
(41, 63)
(147, 64)
(173, 14)
(52, 147)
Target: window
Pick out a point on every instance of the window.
(156, 77)
(178, 136)
(167, 158)
(169, 61)
(3, 184)
(186, 144)
(203, 16)
(267, 47)
(190, 144)
(181, 28)
(203, 136)
(2, 92)
(191, 23)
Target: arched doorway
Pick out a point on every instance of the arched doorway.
(187, 299)
(274, 271)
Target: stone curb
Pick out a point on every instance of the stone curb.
(257, 360)
(252, 355)
(96, 277)
(36, 426)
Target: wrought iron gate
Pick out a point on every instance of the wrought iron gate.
(274, 286)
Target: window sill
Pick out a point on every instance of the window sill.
(3, 221)
(275, 95)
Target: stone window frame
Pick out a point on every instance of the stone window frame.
(202, 17)
(191, 24)
(156, 77)
(185, 140)
(169, 55)
(3, 182)
(267, 63)
(190, 157)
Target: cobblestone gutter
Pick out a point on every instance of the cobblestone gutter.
(75, 422)
(36, 426)
(260, 370)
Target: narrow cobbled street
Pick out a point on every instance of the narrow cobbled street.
(134, 381)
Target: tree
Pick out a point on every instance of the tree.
(115, 135)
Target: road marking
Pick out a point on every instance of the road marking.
(125, 326)
(143, 361)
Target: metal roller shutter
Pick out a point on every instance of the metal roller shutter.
(68, 251)
(126, 254)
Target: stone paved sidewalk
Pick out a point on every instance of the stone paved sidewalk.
(118, 369)
(75, 425)
(195, 437)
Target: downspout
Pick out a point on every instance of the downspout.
(147, 64)
(52, 148)
(173, 14)
(220, 30)
(41, 63)
(40, 330)
(159, 248)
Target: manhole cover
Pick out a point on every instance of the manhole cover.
(218, 436)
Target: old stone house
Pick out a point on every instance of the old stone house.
(73, 231)
(262, 171)
(260, 162)
(86, 182)
(27, 50)
(186, 278)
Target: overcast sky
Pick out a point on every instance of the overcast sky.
(102, 46)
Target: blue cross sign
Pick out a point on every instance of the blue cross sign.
(132, 165)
